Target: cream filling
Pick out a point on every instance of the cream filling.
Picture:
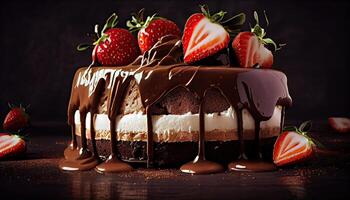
(165, 125)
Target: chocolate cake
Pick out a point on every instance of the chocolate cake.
(210, 96)
(162, 112)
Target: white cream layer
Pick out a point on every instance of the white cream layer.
(163, 124)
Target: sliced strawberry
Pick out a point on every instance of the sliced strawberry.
(292, 147)
(340, 124)
(250, 51)
(11, 145)
(16, 119)
(203, 39)
(250, 47)
(152, 29)
(204, 34)
(114, 46)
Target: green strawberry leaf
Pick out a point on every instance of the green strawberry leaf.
(137, 22)
(303, 130)
(111, 22)
(261, 33)
(83, 47)
(305, 126)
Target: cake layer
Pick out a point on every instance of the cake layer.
(181, 128)
(175, 154)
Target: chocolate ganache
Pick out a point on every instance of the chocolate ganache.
(156, 73)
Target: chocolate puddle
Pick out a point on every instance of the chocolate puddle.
(157, 73)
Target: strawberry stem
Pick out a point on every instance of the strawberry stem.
(10, 105)
(260, 32)
(231, 25)
(137, 21)
(305, 126)
(111, 22)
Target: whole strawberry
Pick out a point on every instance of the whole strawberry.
(151, 30)
(250, 47)
(207, 34)
(114, 46)
(16, 119)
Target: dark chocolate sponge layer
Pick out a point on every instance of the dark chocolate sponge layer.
(177, 153)
(177, 102)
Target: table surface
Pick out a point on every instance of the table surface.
(37, 176)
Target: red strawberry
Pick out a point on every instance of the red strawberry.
(291, 147)
(205, 35)
(11, 145)
(250, 51)
(151, 30)
(340, 124)
(16, 119)
(250, 47)
(114, 46)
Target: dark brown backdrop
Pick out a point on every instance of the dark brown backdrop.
(38, 56)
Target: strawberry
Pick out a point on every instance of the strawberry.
(340, 124)
(16, 119)
(292, 146)
(206, 34)
(11, 145)
(114, 46)
(151, 30)
(250, 47)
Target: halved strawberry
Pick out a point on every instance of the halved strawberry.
(340, 124)
(151, 30)
(293, 146)
(114, 46)
(250, 47)
(290, 148)
(16, 119)
(11, 145)
(206, 34)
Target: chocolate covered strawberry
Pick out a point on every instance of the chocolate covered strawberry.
(340, 124)
(151, 29)
(114, 46)
(293, 146)
(250, 47)
(11, 145)
(16, 119)
(207, 34)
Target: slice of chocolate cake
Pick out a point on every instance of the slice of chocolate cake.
(161, 112)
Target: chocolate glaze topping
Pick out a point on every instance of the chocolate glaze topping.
(158, 72)
(166, 51)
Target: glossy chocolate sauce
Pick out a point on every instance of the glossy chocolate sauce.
(200, 165)
(158, 72)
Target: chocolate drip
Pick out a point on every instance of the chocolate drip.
(84, 151)
(283, 114)
(201, 143)
(257, 164)
(240, 135)
(74, 144)
(113, 164)
(257, 139)
(150, 152)
(200, 165)
(84, 160)
(72, 151)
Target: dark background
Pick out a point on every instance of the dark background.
(38, 41)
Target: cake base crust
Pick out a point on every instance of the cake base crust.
(175, 154)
